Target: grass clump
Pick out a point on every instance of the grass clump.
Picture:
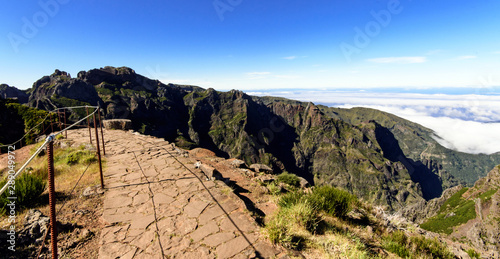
(473, 254)
(298, 214)
(27, 189)
(80, 156)
(290, 226)
(406, 247)
(333, 201)
(289, 179)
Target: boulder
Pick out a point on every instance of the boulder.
(261, 168)
(117, 124)
(236, 163)
(303, 182)
(209, 171)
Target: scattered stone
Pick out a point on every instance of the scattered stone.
(261, 168)
(92, 191)
(210, 172)
(266, 179)
(236, 163)
(41, 138)
(303, 182)
(201, 152)
(34, 228)
(451, 214)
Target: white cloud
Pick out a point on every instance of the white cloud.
(399, 60)
(290, 57)
(466, 57)
(467, 123)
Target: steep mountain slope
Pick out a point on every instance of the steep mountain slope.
(472, 215)
(418, 144)
(7, 91)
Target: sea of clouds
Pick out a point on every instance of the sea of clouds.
(468, 123)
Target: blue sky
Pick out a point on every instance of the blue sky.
(252, 45)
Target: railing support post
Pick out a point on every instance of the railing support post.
(88, 124)
(52, 199)
(65, 132)
(98, 152)
(102, 133)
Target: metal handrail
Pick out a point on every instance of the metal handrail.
(50, 138)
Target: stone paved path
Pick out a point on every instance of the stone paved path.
(189, 221)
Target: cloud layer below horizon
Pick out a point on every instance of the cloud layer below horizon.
(467, 123)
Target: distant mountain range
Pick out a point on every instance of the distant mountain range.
(379, 157)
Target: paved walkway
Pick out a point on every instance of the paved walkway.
(156, 203)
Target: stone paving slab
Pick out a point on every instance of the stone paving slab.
(188, 223)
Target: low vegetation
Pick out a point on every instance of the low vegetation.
(327, 222)
(69, 163)
(290, 179)
(455, 211)
(410, 247)
(27, 190)
(299, 214)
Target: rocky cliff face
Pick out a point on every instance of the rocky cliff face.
(7, 91)
(59, 90)
(417, 148)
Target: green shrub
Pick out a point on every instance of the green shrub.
(398, 243)
(433, 247)
(80, 156)
(303, 215)
(331, 200)
(473, 254)
(291, 198)
(397, 248)
(28, 187)
(279, 232)
(289, 179)
(286, 226)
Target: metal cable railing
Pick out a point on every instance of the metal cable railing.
(50, 138)
(44, 119)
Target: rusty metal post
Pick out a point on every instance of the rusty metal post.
(52, 199)
(66, 132)
(102, 133)
(88, 124)
(98, 152)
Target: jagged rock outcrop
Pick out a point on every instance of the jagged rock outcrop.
(7, 91)
(60, 90)
(485, 231)
(422, 210)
